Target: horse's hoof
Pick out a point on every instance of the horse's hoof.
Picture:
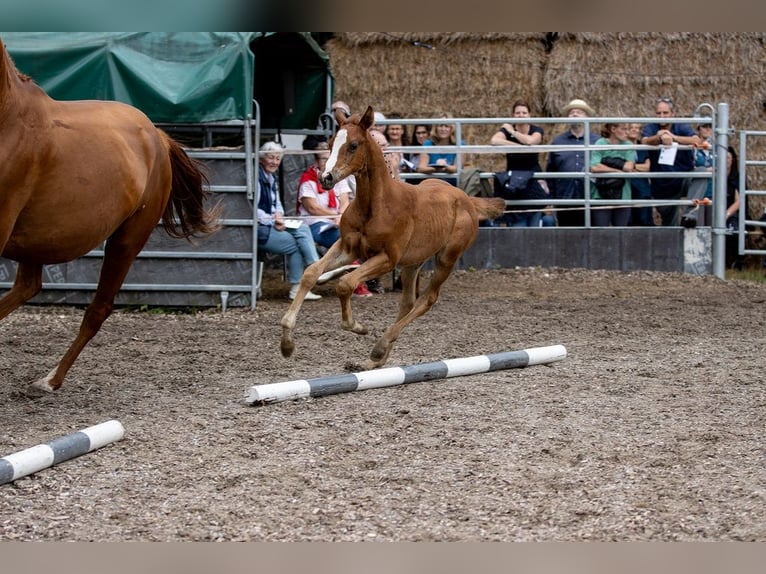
(40, 388)
(357, 328)
(353, 367)
(287, 347)
(370, 365)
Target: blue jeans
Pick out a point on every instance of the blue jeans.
(327, 237)
(527, 219)
(297, 245)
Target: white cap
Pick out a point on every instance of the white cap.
(379, 117)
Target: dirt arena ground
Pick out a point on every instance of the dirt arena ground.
(650, 430)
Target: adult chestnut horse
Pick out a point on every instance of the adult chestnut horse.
(73, 174)
(389, 223)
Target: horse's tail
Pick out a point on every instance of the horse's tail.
(489, 207)
(186, 214)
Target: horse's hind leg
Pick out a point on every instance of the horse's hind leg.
(410, 275)
(28, 282)
(118, 258)
(423, 303)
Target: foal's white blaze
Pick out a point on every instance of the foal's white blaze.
(340, 139)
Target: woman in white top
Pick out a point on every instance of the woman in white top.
(322, 207)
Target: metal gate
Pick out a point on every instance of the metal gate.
(745, 162)
(221, 268)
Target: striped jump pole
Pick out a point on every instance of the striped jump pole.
(28, 461)
(391, 376)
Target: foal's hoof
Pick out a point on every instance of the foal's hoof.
(357, 328)
(353, 367)
(287, 347)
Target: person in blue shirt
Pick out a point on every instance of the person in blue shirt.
(640, 215)
(570, 161)
(664, 133)
(442, 134)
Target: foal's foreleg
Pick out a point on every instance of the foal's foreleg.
(423, 303)
(372, 267)
(333, 259)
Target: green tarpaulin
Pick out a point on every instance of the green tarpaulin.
(182, 77)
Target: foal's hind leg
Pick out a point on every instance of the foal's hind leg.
(423, 303)
(28, 282)
(410, 275)
(118, 257)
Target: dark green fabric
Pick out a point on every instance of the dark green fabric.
(173, 77)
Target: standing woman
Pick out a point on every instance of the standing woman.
(519, 134)
(603, 161)
(442, 134)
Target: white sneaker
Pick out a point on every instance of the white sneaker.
(309, 296)
(327, 275)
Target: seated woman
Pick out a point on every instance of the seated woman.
(322, 208)
(296, 243)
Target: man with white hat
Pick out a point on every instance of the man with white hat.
(570, 188)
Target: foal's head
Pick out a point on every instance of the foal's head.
(351, 148)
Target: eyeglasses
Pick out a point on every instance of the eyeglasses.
(421, 133)
(664, 101)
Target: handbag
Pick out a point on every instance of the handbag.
(511, 184)
(611, 187)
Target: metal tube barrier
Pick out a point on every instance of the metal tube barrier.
(249, 156)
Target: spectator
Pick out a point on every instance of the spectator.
(292, 167)
(666, 134)
(382, 128)
(519, 134)
(392, 159)
(570, 161)
(296, 243)
(322, 207)
(611, 161)
(642, 215)
(733, 258)
(701, 188)
(339, 105)
(420, 134)
(397, 136)
(442, 134)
